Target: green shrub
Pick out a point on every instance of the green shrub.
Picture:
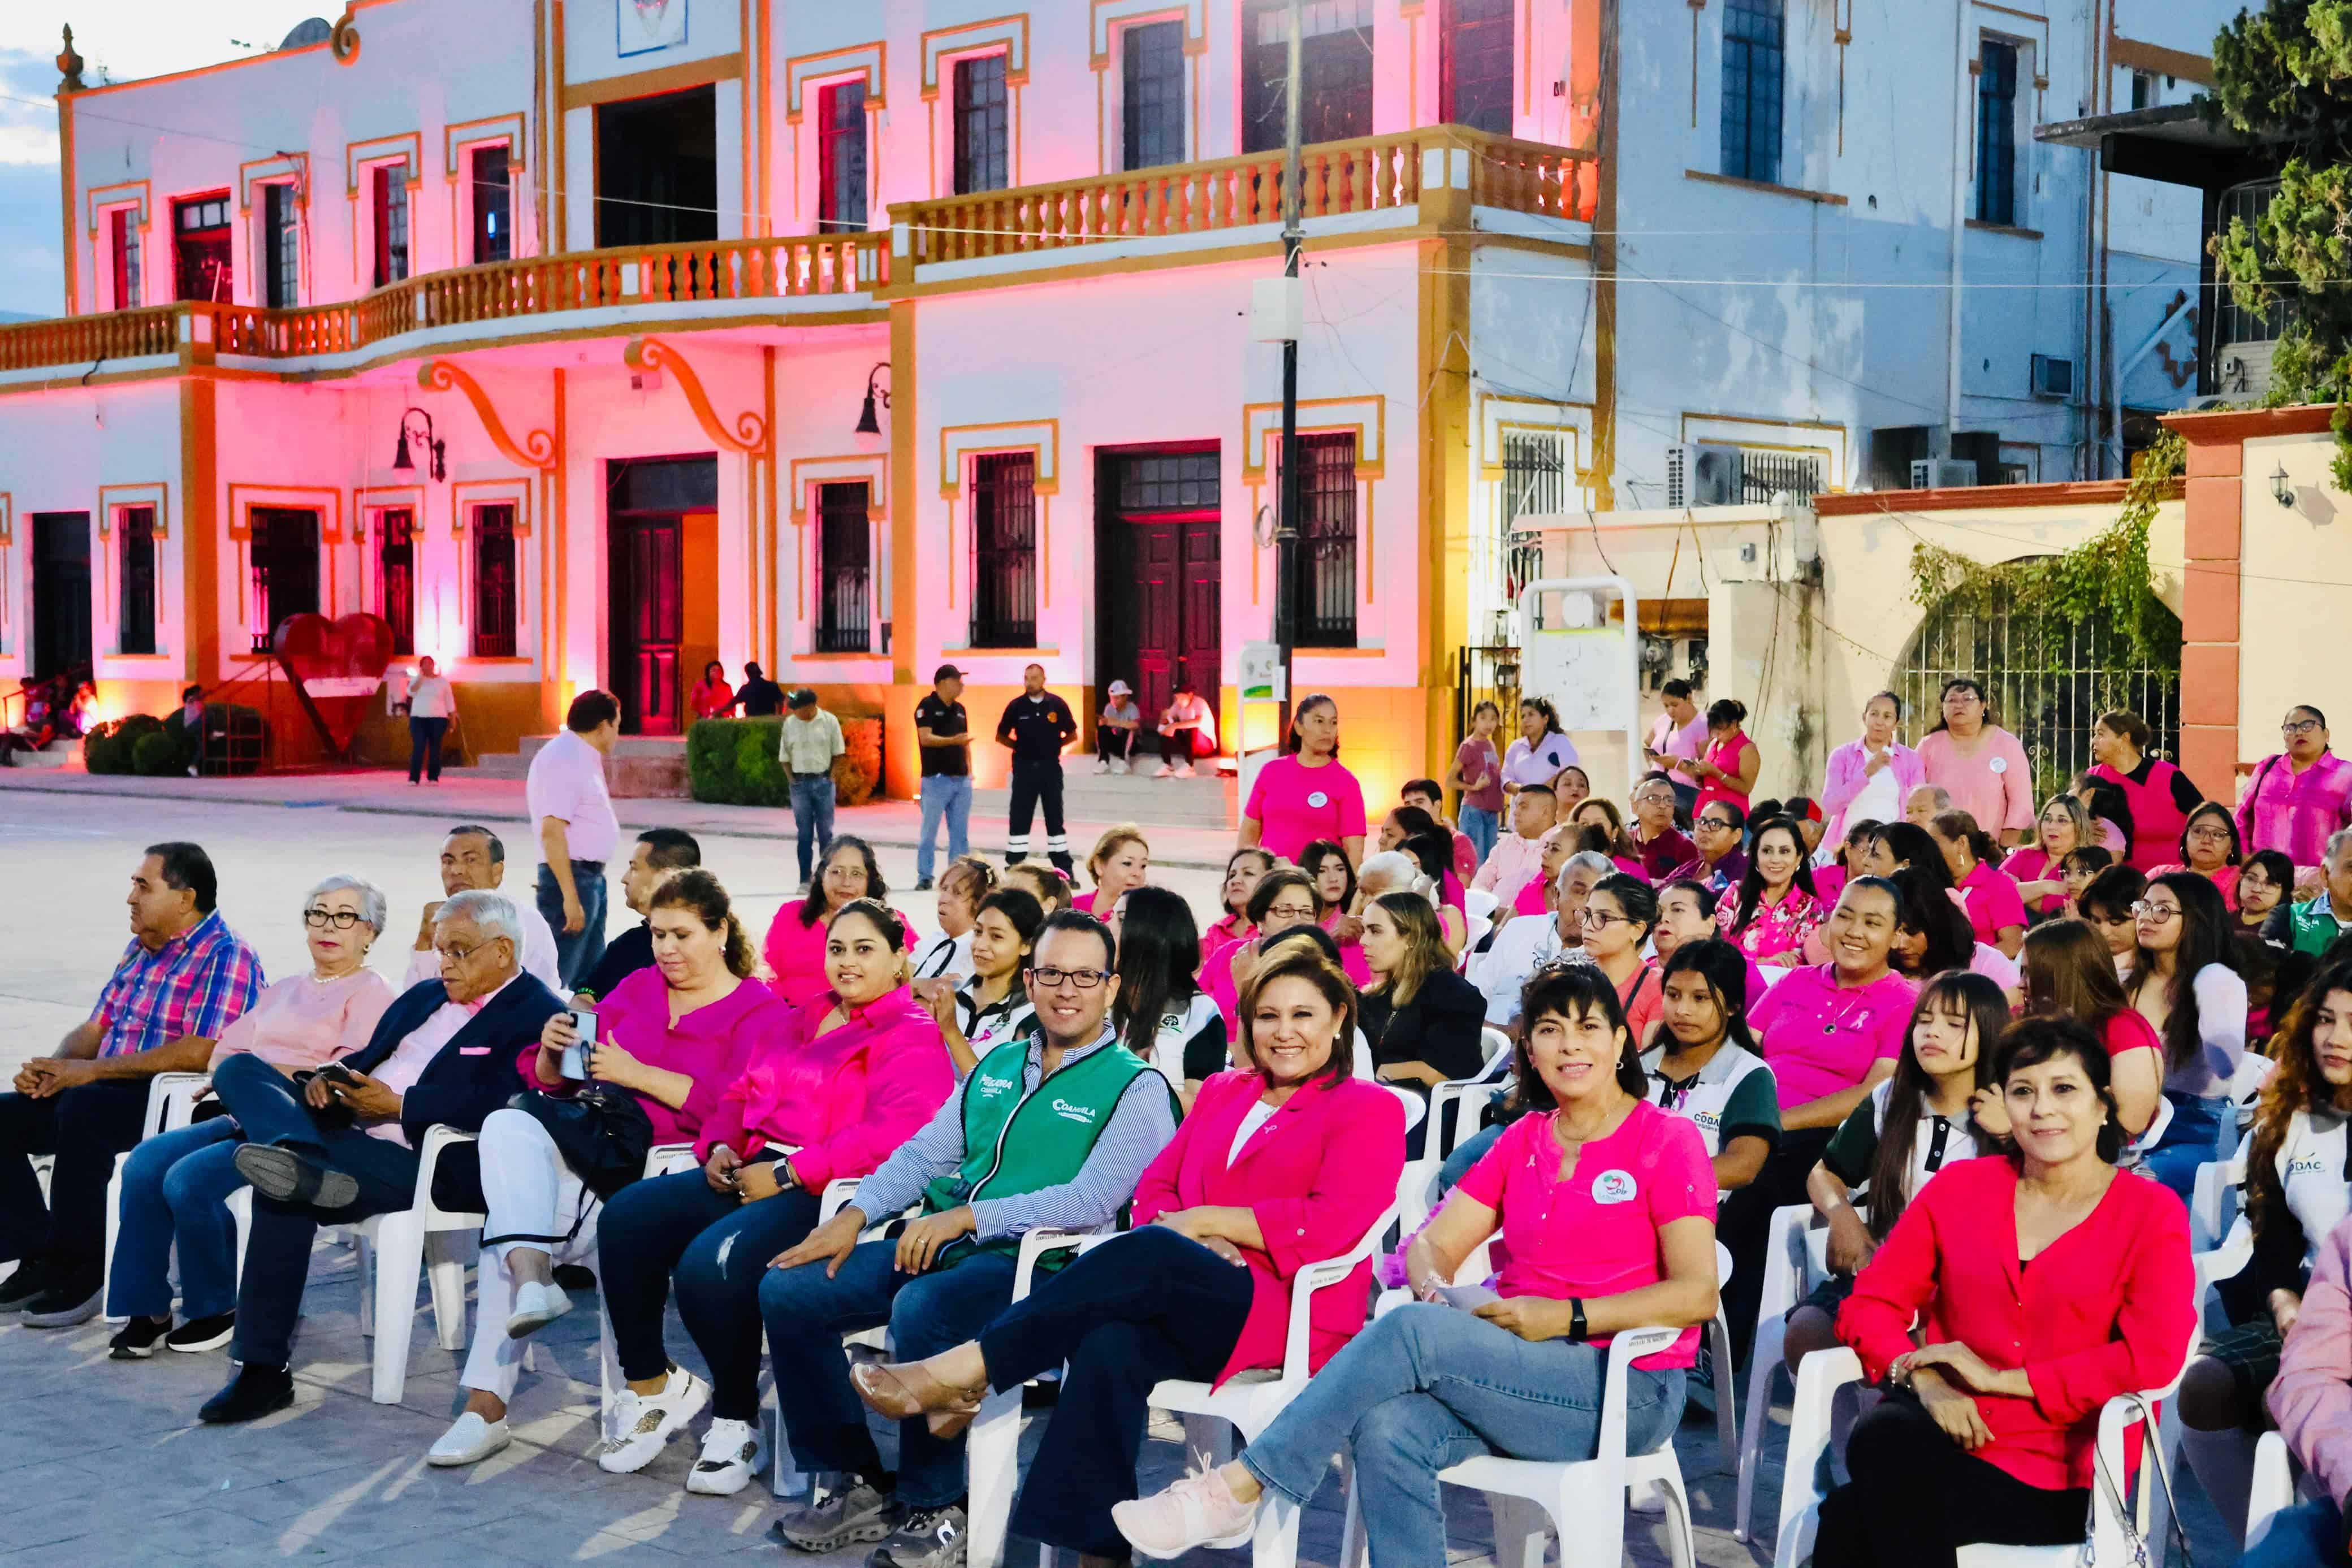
(732, 762)
(105, 751)
(158, 754)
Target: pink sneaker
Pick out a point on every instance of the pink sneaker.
(1199, 1510)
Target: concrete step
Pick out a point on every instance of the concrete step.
(56, 754)
(1205, 800)
(641, 768)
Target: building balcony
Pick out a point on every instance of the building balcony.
(1409, 184)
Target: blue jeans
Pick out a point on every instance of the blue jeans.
(813, 798)
(176, 1187)
(806, 1314)
(2299, 1536)
(1428, 1386)
(1481, 828)
(576, 954)
(949, 795)
(2189, 1140)
(424, 747)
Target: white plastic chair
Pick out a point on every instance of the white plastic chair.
(2246, 1086)
(1582, 1503)
(1247, 1404)
(1418, 1189)
(2274, 1487)
(2215, 1199)
(1793, 1264)
(1478, 904)
(396, 1245)
(170, 1105)
(1826, 1371)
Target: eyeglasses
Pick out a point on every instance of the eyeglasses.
(340, 919)
(1655, 798)
(2299, 726)
(2155, 913)
(1054, 980)
(460, 955)
(1601, 918)
(1717, 823)
(2217, 835)
(1300, 912)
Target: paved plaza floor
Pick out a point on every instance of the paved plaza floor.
(103, 1463)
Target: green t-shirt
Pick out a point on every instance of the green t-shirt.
(1733, 1096)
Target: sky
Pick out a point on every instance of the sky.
(118, 40)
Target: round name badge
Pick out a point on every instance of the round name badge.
(1999, 765)
(1613, 1186)
(1318, 800)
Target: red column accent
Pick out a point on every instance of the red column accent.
(2210, 618)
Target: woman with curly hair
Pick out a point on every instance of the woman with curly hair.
(2296, 1192)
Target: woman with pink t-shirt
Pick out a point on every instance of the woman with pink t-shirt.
(2208, 846)
(1604, 1204)
(1306, 794)
(2159, 794)
(1988, 894)
(1979, 765)
(1727, 770)
(1618, 917)
(795, 946)
(2040, 869)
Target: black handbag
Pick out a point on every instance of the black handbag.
(602, 1133)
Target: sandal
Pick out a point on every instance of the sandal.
(904, 1391)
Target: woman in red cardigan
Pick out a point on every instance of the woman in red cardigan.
(2045, 1283)
(1276, 1169)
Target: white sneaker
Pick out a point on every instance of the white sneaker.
(642, 1422)
(535, 1307)
(469, 1440)
(1183, 771)
(1167, 771)
(732, 1453)
(1121, 767)
(1102, 765)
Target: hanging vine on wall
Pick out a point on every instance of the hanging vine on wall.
(2102, 581)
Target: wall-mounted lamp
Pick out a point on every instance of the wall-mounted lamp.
(867, 423)
(2280, 491)
(433, 450)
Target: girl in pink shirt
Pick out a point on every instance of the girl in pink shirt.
(1306, 794)
(1989, 894)
(795, 946)
(1727, 771)
(1607, 1205)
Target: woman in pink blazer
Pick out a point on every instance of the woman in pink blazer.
(1276, 1169)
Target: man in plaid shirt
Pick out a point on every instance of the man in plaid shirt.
(182, 980)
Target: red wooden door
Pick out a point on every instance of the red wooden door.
(1159, 605)
(648, 622)
(1200, 620)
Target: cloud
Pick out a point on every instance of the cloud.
(28, 116)
(32, 259)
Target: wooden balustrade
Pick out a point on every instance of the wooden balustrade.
(1532, 177)
(84, 340)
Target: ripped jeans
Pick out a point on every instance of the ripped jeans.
(719, 1247)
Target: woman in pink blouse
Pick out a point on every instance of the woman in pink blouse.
(1988, 893)
(1775, 907)
(833, 1091)
(2040, 869)
(1275, 1167)
(795, 946)
(1869, 779)
(2208, 846)
(670, 1040)
(175, 1187)
(2299, 795)
(1605, 1206)
(1243, 870)
(1979, 765)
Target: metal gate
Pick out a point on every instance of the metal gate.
(1487, 674)
(2049, 677)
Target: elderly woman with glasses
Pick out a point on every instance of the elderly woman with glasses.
(175, 1187)
(2210, 847)
(1721, 862)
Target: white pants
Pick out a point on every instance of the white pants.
(529, 1191)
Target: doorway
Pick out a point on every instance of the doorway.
(62, 627)
(657, 169)
(1158, 560)
(661, 585)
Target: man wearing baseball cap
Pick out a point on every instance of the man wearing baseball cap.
(1115, 731)
(812, 740)
(943, 741)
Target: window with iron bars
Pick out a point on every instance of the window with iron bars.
(1004, 550)
(284, 552)
(844, 570)
(496, 594)
(136, 626)
(1754, 55)
(1324, 609)
(395, 581)
(1764, 474)
(1534, 484)
(981, 125)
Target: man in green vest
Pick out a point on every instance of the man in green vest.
(2311, 927)
(1051, 1130)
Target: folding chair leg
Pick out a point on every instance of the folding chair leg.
(1275, 1545)
(993, 1464)
(1353, 1549)
(1521, 1532)
(447, 1275)
(1727, 1404)
(1764, 1359)
(400, 1257)
(113, 1228)
(240, 1213)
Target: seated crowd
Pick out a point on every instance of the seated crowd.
(1948, 1049)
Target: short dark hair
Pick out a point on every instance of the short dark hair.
(1679, 690)
(2113, 892)
(2032, 1041)
(876, 914)
(1428, 787)
(188, 869)
(1085, 924)
(591, 710)
(187, 692)
(1707, 897)
(1571, 991)
(670, 849)
(498, 845)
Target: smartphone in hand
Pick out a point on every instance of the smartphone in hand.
(574, 1061)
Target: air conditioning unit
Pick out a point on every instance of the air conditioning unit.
(2053, 379)
(1704, 474)
(1941, 474)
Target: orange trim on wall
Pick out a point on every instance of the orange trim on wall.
(660, 80)
(1977, 498)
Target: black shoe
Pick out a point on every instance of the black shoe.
(138, 1340)
(256, 1391)
(202, 1333)
(576, 1277)
(72, 1299)
(289, 1178)
(922, 885)
(32, 1277)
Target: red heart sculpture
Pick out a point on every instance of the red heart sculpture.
(337, 667)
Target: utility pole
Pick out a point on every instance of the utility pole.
(1285, 533)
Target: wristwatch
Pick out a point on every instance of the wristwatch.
(1578, 1333)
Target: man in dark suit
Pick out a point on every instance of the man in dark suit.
(342, 1146)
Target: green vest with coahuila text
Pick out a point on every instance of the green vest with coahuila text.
(1015, 1142)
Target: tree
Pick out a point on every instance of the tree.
(2284, 75)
